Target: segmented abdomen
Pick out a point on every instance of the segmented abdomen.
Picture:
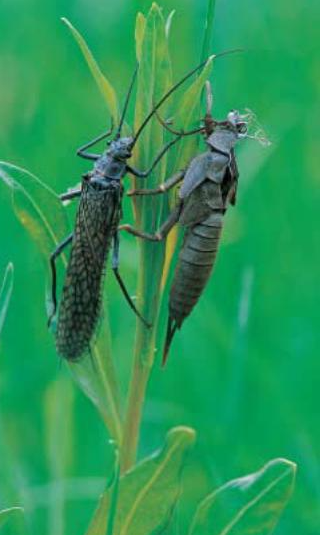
(195, 263)
(96, 222)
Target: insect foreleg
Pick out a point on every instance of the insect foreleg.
(161, 233)
(115, 266)
(70, 194)
(53, 258)
(144, 174)
(168, 184)
(89, 156)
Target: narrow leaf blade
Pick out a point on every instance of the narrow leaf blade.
(44, 217)
(103, 84)
(139, 34)
(36, 206)
(5, 293)
(247, 505)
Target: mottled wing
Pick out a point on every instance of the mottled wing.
(97, 219)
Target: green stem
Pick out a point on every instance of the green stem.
(151, 262)
(136, 397)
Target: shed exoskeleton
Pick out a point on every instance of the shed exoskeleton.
(209, 185)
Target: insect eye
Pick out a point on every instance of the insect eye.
(242, 128)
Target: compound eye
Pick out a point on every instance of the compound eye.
(242, 128)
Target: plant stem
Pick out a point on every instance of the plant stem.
(136, 398)
(151, 262)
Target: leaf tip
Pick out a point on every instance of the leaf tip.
(285, 463)
(10, 267)
(187, 434)
(65, 21)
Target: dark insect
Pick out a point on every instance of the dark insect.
(209, 186)
(96, 228)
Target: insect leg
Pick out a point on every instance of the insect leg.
(115, 266)
(144, 174)
(53, 257)
(161, 233)
(70, 194)
(168, 184)
(89, 156)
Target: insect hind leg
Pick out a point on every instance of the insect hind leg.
(115, 268)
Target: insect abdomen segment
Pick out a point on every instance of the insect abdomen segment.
(194, 267)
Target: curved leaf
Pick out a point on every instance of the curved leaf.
(248, 505)
(36, 206)
(43, 215)
(169, 22)
(5, 293)
(7, 514)
(148, 492)
(139, 34)
(103, 84)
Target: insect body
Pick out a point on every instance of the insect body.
(96, 227)
(208, 186)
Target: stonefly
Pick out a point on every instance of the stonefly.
(96, 229)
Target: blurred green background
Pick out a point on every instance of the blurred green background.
(244, 370)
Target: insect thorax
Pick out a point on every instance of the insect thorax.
(110, 168)
(223, 140)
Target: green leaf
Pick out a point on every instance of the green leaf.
(7, 514)
(103, 84)
(248, 505)
(169, 22)
(5, 293)
(97, 378)
(189, 115)
(154, 80)
(36, 206)
(139, 34)
(208, 33)
(43, 215)
(148, 492)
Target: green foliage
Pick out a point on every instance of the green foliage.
(148, 492)
(5, 293)
(42, 214)
(250, 504)
(103, 84)
(36, 206)
(7, 514)
(251, 348)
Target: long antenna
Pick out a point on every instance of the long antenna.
(167, 95)
(125, 107)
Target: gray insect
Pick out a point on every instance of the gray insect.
(209, 185)
(96, 229)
